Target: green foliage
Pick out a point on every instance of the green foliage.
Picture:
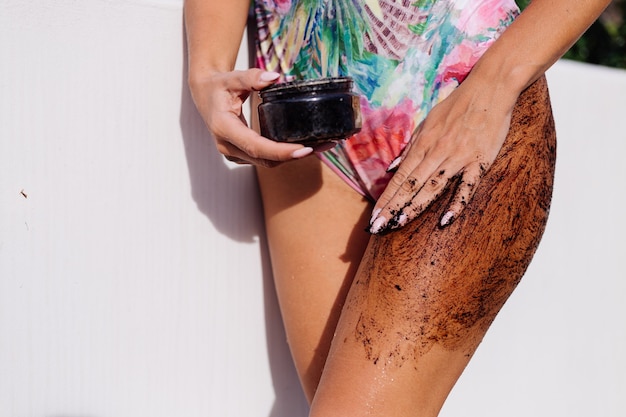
(605, 41)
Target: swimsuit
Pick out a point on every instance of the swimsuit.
(405, 56)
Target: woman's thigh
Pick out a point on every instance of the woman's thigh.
(315, 226)
(424, 296)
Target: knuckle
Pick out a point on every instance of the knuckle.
(437, 182)
(473, 173)
(397, 179)
(409, 185)
(434, 183)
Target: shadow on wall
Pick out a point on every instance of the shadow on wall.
(218, 190)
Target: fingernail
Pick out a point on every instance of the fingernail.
(447, 219)
(302, 152)
(375, 214)
(394, 164)
(269, 76)
(378, 225)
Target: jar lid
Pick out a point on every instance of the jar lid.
(343, 84)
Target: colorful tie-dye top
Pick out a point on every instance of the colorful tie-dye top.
(404, 56)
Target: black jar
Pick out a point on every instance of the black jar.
(311, 111)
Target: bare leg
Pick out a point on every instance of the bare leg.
(316, 231)
(423, 297)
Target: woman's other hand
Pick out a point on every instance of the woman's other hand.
(460, 138)
(219, 97)
(463, 134)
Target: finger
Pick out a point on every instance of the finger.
(235, 139)
(237, 85)
(236, 160)
(408, 159)
(382, 213)
(393, 166)
(411, 176)
(236, 155)
(246, 144)
(470, 179)
(403, 177)
(406, 206)
(252, 79)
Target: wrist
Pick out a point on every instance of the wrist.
(503, 74)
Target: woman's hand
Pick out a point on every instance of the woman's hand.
(219, 98)
(463, 134)
(460, 137)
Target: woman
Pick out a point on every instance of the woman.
(383, 323)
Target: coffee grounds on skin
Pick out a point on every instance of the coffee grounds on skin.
(425, 285)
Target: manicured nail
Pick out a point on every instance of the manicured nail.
(375, 214)
(378, 225)
(269, 76)
(447, 219)
(394, 164)
(301, 153)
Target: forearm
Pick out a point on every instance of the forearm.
(544, 31)
(214, 31)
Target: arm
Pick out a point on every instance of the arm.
(535, 41)
(463, 134)
(214, 32)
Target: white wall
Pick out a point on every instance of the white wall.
(133, 276)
